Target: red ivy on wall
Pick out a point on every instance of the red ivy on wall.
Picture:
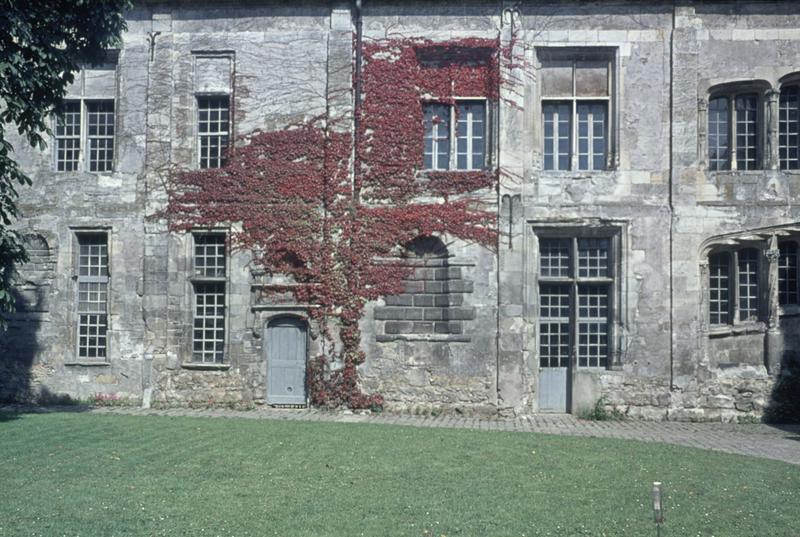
(306, 209)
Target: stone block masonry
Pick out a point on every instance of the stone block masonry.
(648, 210)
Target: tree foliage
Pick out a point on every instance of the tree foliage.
(43, 43)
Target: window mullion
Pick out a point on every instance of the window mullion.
(573, 321)
(732, 118)
(453, 141)
(734, 292)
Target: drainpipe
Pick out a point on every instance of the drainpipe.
(670, 200)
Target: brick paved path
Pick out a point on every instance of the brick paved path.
(771, 442)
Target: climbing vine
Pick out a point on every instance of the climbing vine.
(305, 207)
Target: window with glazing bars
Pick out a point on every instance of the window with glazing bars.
(789, 128)
(463, 125)
(92, 278)
(734, 288)
(213, 130)
(100, 123)
(734, 134)
(787, 274)
(68, 137)
(88, 146)
(208, 331)
(575, 285)
(576, 99)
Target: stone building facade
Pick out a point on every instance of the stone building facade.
(648, 256)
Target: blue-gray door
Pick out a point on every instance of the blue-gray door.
(553, 389)
(286, 361)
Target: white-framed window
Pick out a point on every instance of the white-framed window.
(213, 130)
(576, 296)
(735, 138)
(92, 276)
(84, 135)
(209, 297)
(576, 106)
(455, 135)
(734, 287)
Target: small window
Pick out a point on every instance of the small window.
(209, 289)
(576, 103)
(71, 136)
(212, 130)
(464, 125)
(92, 277)
(734, 288)
(734, 132)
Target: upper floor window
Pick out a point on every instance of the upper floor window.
(789, 128)
(212, 130)
(576, 110)
(454, 136)
(734, 131)
(84, 136)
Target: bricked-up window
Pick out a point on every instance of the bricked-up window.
(213, 130)
(92, 277)
(209, 287)
(789, 128)
(576, 279)
(734, 132)
(72, 136)
(432, 301)
(454, 136)
(576, 106)
(734, 288)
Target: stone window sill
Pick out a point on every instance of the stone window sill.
(577, 174)
(87, 363)
(737, 329)
(433, 338)
(206, 367)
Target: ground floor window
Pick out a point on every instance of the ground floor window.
(576, 288)
(209, 283)
(91, 263)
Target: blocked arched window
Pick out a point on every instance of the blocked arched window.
(433, 293)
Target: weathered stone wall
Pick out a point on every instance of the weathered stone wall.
(476, 346)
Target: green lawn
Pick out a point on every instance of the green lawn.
(87, 475)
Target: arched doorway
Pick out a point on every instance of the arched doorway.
(286, 349)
